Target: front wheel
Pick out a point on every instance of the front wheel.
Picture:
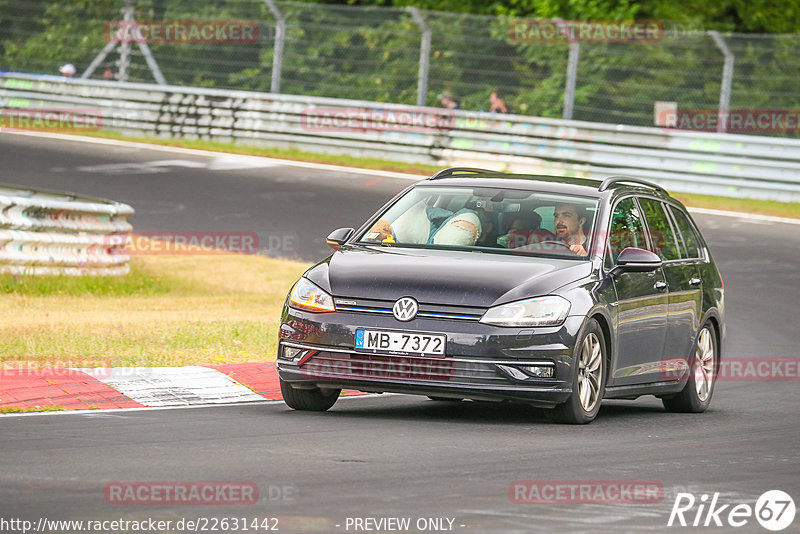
(316, 400)
(696, 394)
(589, 378)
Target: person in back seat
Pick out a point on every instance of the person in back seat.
(524, 229)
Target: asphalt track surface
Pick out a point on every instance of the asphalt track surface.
(395, 455)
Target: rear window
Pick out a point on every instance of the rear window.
(662, 238)
(512, 221)
(687, 235)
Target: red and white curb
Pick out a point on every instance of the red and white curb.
(135, 387)
(174, 386)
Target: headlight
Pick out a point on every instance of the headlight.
(540, 311)
(307, 296)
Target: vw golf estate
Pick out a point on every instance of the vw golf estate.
(472, 284)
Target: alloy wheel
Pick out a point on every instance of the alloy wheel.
(590, 372)
(704, 365)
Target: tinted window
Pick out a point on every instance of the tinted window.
(662, 239)
(627, 229)
(687, 235)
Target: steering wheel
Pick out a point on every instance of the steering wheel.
(554, 242)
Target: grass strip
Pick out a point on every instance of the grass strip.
(169, 311)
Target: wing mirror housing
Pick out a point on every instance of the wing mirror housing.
(337, 238)
(636, 260)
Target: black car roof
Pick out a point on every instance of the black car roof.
(556, 184)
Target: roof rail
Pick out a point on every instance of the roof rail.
(444, 173)
(608, 182)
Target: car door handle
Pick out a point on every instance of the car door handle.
(660, 285)
(695, 281)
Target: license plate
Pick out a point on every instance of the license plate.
(403, 342)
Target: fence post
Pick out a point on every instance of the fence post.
(572, 67)
(277, 56)
(125, 45)
(727, 81)
(424, 55)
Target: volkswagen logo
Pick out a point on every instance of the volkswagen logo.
(405, 309)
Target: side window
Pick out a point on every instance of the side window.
(662, 238)
(690, 240)
(627, 229)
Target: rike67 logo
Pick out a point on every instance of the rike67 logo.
(774, 510)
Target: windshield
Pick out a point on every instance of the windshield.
(512, 221)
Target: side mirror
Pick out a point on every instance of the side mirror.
(338, 237)
(636, 260)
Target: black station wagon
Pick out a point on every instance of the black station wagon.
(472, 284)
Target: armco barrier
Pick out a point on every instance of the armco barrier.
(45, 232)
(733, 165)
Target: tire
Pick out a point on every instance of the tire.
(444, 399)
(313, 400)
(696, 394)
(588, 381)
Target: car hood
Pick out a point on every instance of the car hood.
(442, 277)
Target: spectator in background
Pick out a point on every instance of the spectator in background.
(498, 106)
(67, 70)
(108, 73)
(447, 100)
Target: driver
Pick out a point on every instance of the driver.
(569, 222)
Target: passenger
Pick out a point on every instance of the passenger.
(423, 224)
(489, 234)
(462, 229)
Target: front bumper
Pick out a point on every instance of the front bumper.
(482, 362)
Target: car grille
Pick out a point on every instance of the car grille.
(427, 311)
(399, 368)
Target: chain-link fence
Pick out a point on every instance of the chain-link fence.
(403, 56)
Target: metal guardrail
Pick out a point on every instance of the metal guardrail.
(732, 165)
(50, 233)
